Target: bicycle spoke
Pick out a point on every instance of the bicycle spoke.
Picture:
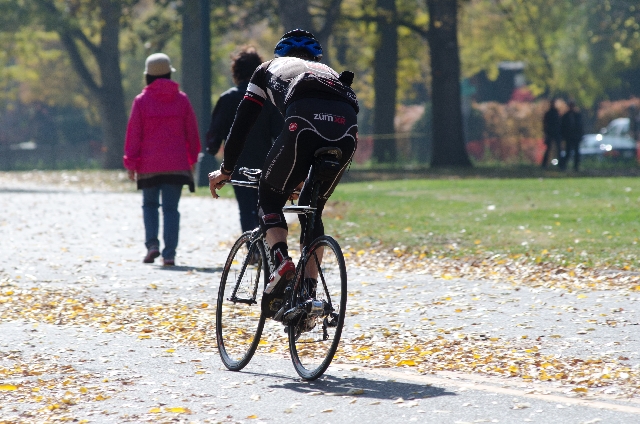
(321, 278)
(312, 340)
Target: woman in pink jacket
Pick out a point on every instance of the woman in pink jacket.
(160, 151)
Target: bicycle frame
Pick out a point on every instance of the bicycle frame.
(309, 313)
(309, 211)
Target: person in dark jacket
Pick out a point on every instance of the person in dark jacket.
(551, 128)
(571, 130)
(266, 129)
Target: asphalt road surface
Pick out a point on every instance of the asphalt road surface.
(61, 244)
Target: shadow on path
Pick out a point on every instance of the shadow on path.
(373, 389)
(190, 268)
(32, 191)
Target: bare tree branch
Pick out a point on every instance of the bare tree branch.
(78, 63)
(404, 21)
(68, 35)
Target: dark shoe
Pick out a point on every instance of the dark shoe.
(274, 294)
(168, 262)
(281, 276)
(152, 253)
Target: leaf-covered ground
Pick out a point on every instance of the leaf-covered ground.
(76, 263)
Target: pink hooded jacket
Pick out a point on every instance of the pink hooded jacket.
(162, 134)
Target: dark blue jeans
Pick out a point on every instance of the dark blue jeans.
(248, 204)
(171, 217)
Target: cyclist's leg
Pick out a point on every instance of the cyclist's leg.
(311, 270)
(281, 174)
(286, 165)
(341, 133)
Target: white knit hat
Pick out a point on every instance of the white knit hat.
(158, 64)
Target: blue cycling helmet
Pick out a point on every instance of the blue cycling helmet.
(298, 41)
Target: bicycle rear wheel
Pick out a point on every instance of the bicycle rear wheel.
(314, 336)
(239, 320)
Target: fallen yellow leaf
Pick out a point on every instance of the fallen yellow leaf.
(178, 410)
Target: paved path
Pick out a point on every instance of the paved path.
(61, 245)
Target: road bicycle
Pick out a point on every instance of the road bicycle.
(313, 304)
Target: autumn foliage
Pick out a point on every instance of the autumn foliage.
(610, 110)
(512, 133)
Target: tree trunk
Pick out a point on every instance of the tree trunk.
(110, 94)
(196, 73)
(448, 131)
(385, 83)
(108, 91)
(295, 14)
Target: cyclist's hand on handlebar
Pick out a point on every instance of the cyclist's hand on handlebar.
(216, 182)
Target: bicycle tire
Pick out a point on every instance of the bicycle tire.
(312, 348)
(239, 323)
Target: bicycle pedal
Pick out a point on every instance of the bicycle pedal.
(333, 322)
(291, 315)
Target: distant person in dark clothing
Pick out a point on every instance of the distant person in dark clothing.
(259, 141)
(571, 129)
(552, 136)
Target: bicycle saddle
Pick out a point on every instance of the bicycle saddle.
(328, 151)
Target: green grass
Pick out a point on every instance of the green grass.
(593, 221)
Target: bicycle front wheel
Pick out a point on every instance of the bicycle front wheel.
(239, 320)
(315, 335)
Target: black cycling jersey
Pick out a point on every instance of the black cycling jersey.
(286, 79)
(282, 81)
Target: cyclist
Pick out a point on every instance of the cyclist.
(319, 109)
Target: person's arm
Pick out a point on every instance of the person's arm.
(133, 140)
(221, 120)
(579, 127)
(193, 137)
(546, 124)
(276, 122)
(246, 116)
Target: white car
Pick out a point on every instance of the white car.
(614, 141)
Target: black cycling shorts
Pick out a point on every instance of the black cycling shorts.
(310, 124)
